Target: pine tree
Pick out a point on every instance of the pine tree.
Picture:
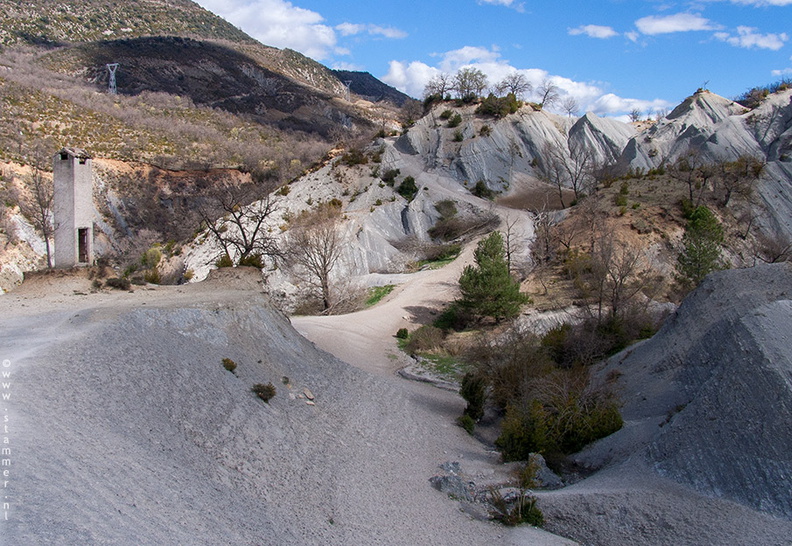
(701, 252)
(488, 289)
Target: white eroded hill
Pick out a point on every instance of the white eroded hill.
(125, 428)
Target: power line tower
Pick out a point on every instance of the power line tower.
(348, 93)
(111, 84)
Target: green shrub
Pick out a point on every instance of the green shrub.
(283, 190)
(408, 188)
(455, 121)
(454, 317)
(499, 107)
(485, 131)
(229, 364)
(466, 422)
(224, 261)
(402, 333)
(265, 392)
(389, 176)
(564, 417)
(151, 258)
(521, 510)
(474, 391)
(482, 190)
(446, 114)
(458, 136)
(353, 157)
(252, 260)
(524, 432)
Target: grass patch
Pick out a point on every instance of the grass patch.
(376, 293)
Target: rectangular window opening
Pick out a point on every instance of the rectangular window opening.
(82, 245)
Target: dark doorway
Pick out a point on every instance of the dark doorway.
(82, 245)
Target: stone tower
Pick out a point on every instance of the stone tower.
(73, 210)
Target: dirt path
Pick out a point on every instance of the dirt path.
(366, 339)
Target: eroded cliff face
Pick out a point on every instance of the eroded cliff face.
(498, 151)
(448, 162)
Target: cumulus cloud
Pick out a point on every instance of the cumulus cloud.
(594, 31)
(749, 38)
(412, 77)
(680, 22)
(279, 23)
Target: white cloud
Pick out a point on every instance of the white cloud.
(680, 22)
(783, 71)
(519, 6)
(348, 66)
(351, 29)
(748, 38)
(613, 104)
(278, 23)
(412, 77)
(594, 31)
(762, 3)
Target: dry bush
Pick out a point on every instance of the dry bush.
(425, 338)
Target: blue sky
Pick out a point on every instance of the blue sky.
(612, 56)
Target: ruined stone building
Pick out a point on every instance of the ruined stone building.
(73, 209)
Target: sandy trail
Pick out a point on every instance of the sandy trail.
(366, 339)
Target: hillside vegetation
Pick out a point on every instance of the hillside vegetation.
(47, 22)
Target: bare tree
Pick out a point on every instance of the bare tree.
(737, 177)
(543, 249)
(774, 249)
(37, 207)
(694, 173)
(410, 112)
(238, 223)
(573, 168)
(440, 85)
(570, 105)
(470, 83)
(316, 246)
(515, 83)
(619, 272)
(635, 115)
(548, 94)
